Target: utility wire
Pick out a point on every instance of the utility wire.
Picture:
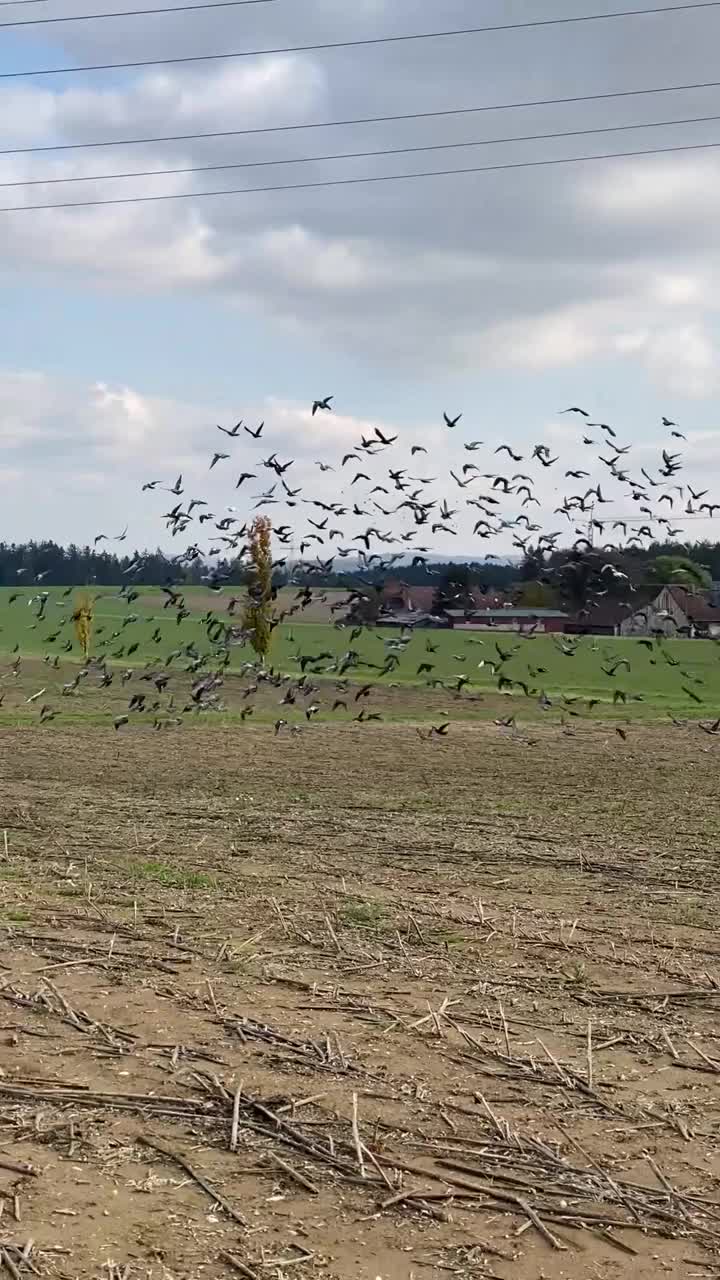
(127, 13)
(232, 4)
(357, 155)
(364, 43)
(353, 182)
(674, 515)
(336, 124)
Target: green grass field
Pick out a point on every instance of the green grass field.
(659, 680)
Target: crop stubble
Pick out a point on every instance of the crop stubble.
(355, 1004)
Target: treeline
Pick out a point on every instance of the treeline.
(73, 566)
(705, 554)
(500, 576)
(642, 564)
(58, 566)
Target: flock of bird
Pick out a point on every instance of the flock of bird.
(383, 514)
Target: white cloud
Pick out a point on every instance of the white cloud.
(653, 192)
(533, 271)
(684, 359)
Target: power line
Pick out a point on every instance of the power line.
(126, 13)
(678, 517)
(353, 182)
(359, 155)
(364, 43)
(336, 124)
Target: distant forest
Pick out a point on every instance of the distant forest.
(58, 566)
(73, 566)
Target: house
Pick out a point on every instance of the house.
(604, 619)
(668, 611)
(412, 618)
(398, 597)
(674, 611)
(489, 599)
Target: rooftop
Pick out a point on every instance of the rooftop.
(695, 606)
(508, 612)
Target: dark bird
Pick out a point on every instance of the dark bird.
(232, 431)
(246, 475)
(218, 457)
(691, 693)
(384, 439)
(505, 448)
(150, 484)
(255, 434)
(574, 408)
(451, 422)
(667, 422)
(322, 404)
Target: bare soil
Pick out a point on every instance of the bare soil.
(497, 953)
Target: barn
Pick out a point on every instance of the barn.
(674, 611)
(508, 618)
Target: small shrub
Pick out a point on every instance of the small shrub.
(172, 877)
(364, 915)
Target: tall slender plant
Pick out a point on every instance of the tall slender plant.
(83, 620)
(258, 612)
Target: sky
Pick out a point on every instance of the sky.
(128, 332)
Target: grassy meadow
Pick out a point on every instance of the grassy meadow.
(681, 678)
